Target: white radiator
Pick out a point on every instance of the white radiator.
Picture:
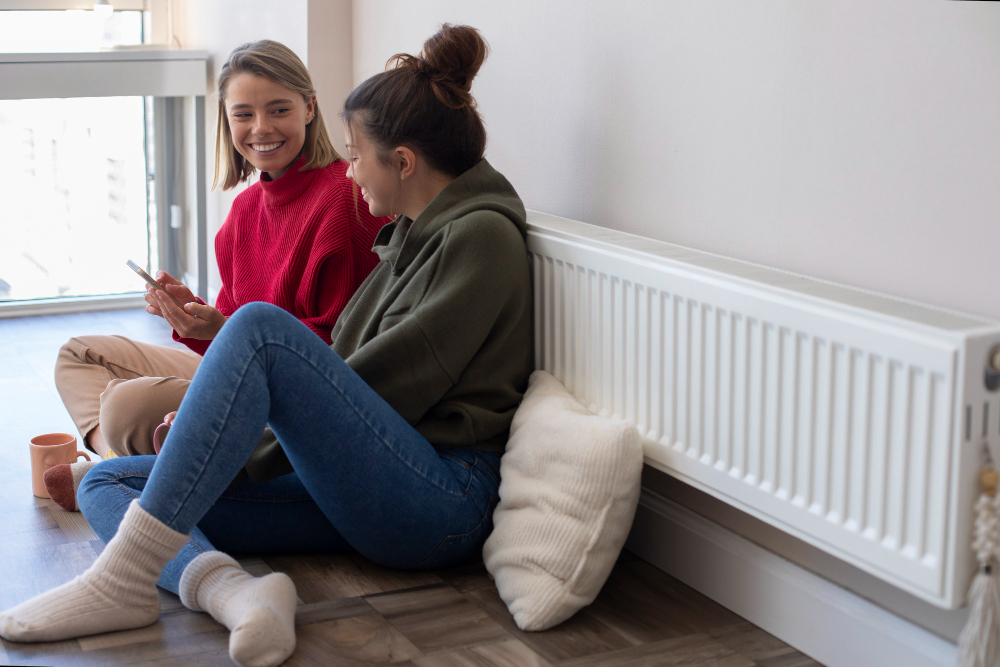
(849, 419)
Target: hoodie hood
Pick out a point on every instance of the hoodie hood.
(481, 188)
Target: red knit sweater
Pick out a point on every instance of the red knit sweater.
(302, 242)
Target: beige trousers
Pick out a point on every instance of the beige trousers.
(125, 386)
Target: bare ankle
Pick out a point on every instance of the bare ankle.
(95, 440)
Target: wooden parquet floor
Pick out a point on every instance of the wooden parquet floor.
(352, 611)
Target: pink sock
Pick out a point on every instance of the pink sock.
(62, 481)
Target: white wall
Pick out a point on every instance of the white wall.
(852, 140)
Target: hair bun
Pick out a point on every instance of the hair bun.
(425, 102)
(450, 60)
(455, 53)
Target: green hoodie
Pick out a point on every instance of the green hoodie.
(441, 329)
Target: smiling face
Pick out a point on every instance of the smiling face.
(267, 122)
(380, 183)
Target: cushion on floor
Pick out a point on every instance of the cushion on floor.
(569, 488)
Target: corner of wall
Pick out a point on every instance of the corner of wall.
(330, 59)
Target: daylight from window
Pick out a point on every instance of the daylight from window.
(74, 186)
(69, 31)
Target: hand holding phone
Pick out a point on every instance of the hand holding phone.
(190, 320)
(149, 279)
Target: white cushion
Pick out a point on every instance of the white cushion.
(569, 488)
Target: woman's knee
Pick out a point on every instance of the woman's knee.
(132, 409)
(74, 354)
(257, 323)
(86, 350)
(257, 314)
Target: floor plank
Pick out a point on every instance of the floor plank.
(72, 524)
(471, 577)
(437, 618)
(511, 653)
(330, 610)
(764, 649)
(361, 639)
(695, 650)
(336, 575)
(581, 635)
(644, 604)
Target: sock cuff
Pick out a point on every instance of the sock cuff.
(78, 470)
(139, 520)
(195, 573)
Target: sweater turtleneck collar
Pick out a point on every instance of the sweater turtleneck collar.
(290, 186)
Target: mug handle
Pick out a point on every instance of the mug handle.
(80, 453)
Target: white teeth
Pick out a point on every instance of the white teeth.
(264, 148)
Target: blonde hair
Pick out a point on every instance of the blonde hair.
(279, 64)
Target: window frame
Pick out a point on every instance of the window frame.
(167, 75)
(45, 5)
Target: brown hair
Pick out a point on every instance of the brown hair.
(424, 101)
(279, 64)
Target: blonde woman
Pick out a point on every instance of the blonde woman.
(301, 238)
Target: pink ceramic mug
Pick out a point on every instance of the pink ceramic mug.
(50, 450)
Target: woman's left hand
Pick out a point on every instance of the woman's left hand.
(194, 320)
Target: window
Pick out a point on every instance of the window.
(67, 31)
(75, 193)
(79, 189)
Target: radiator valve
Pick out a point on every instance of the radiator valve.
(992, 378)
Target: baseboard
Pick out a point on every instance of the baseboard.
(75, 304)
(826, 622)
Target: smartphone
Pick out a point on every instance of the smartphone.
(149, 279)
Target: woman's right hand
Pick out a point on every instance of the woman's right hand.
(192, 320)
(168, 419)
(174, 287)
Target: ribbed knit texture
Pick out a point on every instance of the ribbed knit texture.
(569, 488)
(302, 242)
(260, 613)
(62, 481)
(117, 592)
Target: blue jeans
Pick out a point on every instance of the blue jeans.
(364, 478)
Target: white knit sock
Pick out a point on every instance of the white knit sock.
(260, 613)
(117, 592)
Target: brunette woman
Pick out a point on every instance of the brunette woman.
(394, 434)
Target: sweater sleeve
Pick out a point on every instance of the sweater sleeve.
(343, 226)
(336, 286)
(419, 355)
(193, 344)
